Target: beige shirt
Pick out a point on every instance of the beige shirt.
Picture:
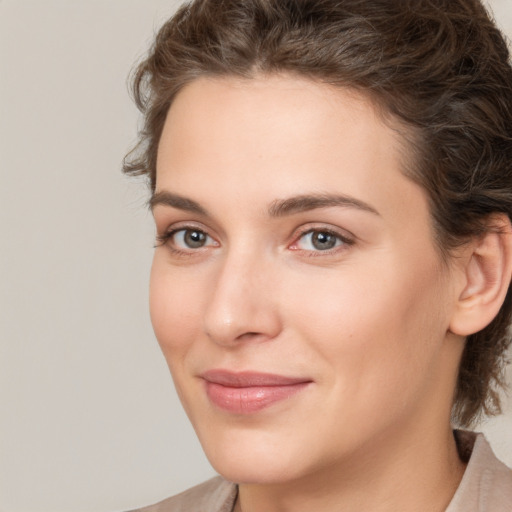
(485, 487)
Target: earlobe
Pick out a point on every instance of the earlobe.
(487, 272)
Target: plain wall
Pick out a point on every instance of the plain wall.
(89, 420)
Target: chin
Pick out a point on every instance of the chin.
(252, 459)
(253, 471)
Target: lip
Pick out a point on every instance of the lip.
(249, 392)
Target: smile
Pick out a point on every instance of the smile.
(249, 392)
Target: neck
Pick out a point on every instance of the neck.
(418, 472)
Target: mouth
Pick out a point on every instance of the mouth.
(249, 392)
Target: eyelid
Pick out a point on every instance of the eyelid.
(172, 233)
(346, 238)
(165, 237)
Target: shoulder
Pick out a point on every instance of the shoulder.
(215, 495)
(487, 482)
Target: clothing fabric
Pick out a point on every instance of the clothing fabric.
(214, 495)
(487, 483)
(485, 487)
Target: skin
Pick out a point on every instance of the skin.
(366, 322)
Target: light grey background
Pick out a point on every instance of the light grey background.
(89, 420)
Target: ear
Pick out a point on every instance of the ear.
(487, 269)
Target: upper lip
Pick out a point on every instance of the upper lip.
(250, 379)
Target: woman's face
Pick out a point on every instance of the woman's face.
(295, 291)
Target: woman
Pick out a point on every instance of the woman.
(332, 192)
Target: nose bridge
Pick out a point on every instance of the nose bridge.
(240, 305)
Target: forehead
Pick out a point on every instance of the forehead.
(275, 112)
(277, 136)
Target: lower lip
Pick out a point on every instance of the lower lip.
(247, 400)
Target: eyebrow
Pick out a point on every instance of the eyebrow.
(302, 203)
(176, 201)
(278, 208)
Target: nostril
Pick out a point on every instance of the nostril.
(248, 335)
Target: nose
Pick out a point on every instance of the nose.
(242, 304)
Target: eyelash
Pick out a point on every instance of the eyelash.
(167, 237)
(342, 241)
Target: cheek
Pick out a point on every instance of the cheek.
(174, 307)
(377, 329)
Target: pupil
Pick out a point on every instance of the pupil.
(323, 240)
(195, 239)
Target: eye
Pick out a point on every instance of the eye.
(319, 240)
(188, 239)
(191, 238)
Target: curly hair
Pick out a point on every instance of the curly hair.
(439, 67)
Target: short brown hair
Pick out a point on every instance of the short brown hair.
(441, 67)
